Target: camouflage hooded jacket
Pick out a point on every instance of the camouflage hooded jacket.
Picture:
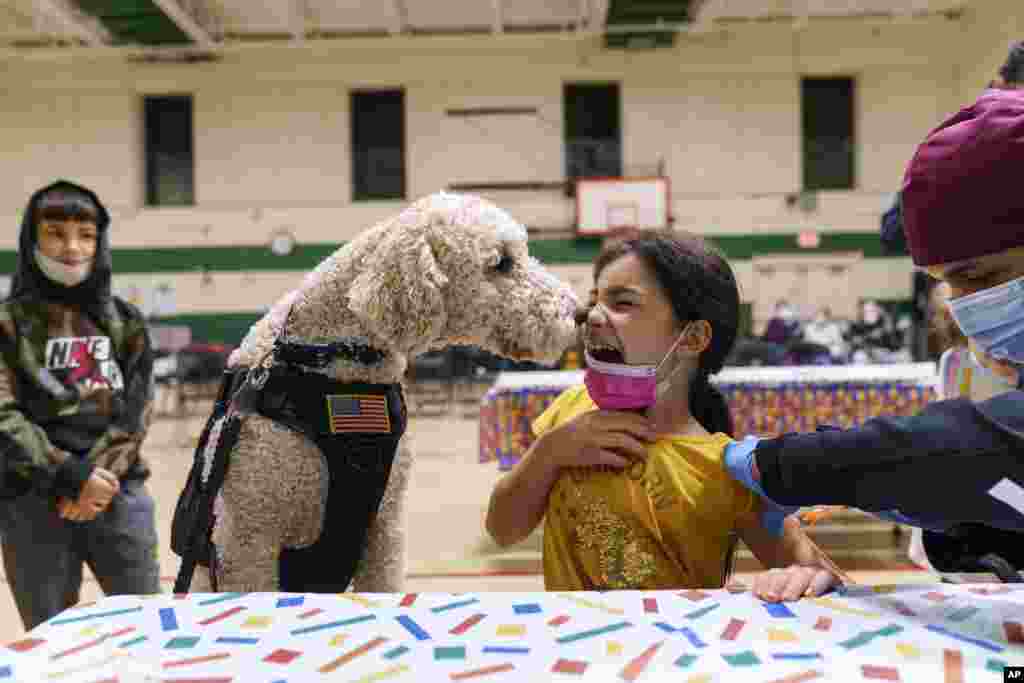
(75, 374)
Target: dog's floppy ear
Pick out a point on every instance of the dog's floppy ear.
(398, 294)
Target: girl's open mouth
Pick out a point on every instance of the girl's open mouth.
(605, 354)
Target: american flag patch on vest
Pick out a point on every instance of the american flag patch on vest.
(362, 413)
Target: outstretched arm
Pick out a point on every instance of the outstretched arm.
(948, 465)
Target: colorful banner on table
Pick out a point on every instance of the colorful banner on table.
(911, 633)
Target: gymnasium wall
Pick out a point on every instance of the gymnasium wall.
(272, 147)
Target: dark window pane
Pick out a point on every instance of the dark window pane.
(593, 135)
(827, 106)
(378, 144)
(169, 161)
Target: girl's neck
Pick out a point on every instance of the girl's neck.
(671, 414)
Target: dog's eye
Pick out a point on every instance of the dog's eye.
(504, 265)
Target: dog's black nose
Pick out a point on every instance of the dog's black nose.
(581, 314)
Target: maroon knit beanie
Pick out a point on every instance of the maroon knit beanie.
(963, 192)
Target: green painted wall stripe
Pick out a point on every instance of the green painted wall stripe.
(735, 247)
(234, 258)
(214, 328)
(230, 328)
(194, 259)
(747, 246)
(549, 251)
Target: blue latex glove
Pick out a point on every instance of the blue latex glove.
(739, 463)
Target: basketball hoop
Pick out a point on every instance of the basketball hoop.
(605, 207)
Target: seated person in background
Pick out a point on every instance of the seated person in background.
(871, 337)
(822, 342)
(784, 325)
(770, 347)
(627, 470)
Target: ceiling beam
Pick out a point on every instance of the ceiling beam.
(92, 33)
(497, 22)
(189, 26)
(398, 26)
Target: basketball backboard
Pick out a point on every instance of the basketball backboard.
(608, 205)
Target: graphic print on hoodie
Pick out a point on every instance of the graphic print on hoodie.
(87, 362)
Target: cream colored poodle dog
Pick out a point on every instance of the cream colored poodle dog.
(449, 269)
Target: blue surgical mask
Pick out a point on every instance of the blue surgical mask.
(994, 319)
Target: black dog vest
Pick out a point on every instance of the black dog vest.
(357, 427)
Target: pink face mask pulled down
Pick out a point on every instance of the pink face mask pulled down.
(618, 386)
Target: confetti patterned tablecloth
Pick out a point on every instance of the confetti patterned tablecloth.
(916, 633)
(761, 408)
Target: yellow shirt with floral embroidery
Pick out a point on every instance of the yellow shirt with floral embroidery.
(660, 524)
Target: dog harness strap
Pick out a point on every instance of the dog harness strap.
(320, 355)
(357, 428)
(193, 515)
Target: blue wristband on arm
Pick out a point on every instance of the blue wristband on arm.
(739, 461)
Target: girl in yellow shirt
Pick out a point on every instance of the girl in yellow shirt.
(627, 470)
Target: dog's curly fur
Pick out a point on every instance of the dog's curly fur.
(450, 269)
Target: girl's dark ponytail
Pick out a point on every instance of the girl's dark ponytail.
(708, 406)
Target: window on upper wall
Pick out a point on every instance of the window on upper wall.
(170, 165)
(827, 122)
(593, 132)
(378, 144)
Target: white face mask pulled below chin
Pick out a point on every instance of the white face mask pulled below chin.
(60, 273)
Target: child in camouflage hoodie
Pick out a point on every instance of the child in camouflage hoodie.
(75, 397)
